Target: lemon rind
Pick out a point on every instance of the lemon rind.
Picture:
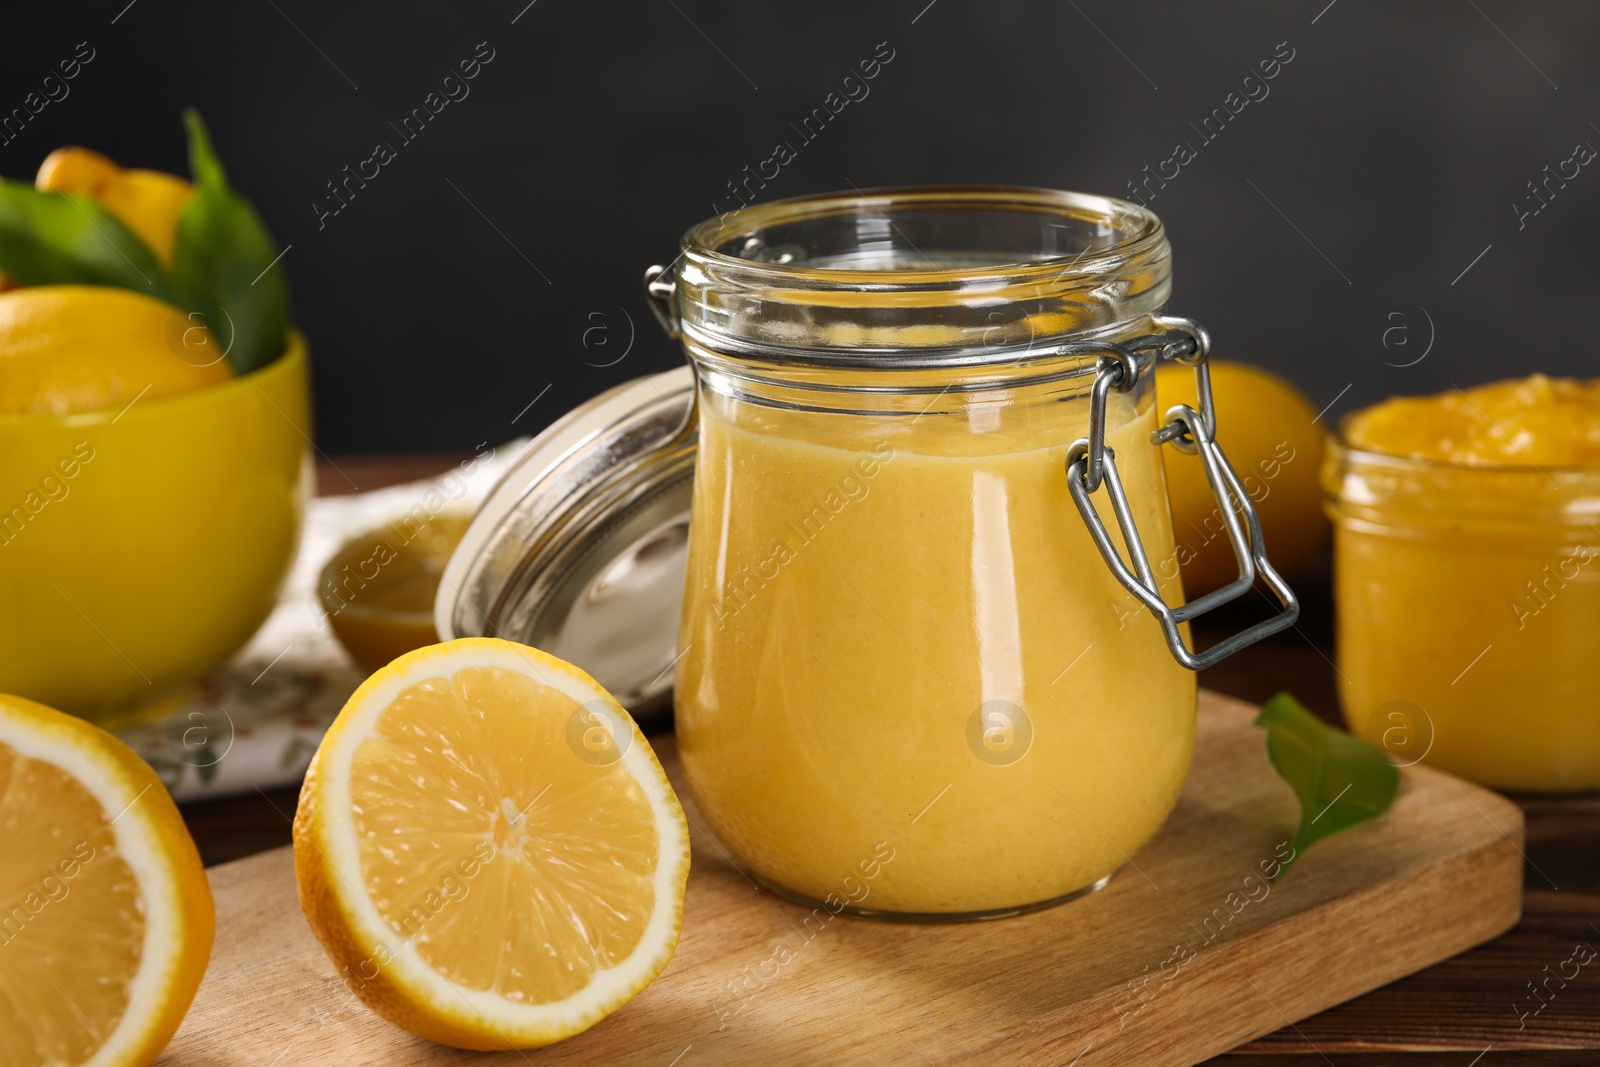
(146, 1023)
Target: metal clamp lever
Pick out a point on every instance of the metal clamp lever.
(1091, 463)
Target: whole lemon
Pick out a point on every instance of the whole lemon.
(148, 202)
(73, 348)
(1265, 428)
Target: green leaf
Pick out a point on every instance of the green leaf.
(63, 239)
(224, 263)
(1340, 780)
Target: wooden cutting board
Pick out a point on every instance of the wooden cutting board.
(1182, 957)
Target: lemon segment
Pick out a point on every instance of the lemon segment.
(106, 918)
(488, 849)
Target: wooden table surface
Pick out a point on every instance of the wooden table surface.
(1462, 1013)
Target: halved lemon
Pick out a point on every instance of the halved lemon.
(106, 918)
(488, 849)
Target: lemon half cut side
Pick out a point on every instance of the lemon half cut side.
(106, 918)
(487, 848)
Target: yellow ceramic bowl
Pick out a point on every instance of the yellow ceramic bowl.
(140, 548)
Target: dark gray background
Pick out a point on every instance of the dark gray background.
(441, 301)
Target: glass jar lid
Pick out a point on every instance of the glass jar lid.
(580, 549)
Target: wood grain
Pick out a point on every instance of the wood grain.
(754, 982)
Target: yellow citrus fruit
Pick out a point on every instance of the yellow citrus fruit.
(1264, 427)
(73, 348)
(107, 918)
(378, 590)
(488, 849)
(148, 202)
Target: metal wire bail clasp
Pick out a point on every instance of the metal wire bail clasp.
(1091, 463)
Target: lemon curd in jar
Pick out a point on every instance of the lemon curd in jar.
(917, 675)
(1468, 583)
(908, 682)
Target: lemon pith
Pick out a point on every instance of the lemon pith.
(106, 917)
(478, 872)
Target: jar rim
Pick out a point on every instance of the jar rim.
(1141, 233)
(969, 279)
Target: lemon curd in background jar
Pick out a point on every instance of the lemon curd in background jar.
(909, 684)
(1467, 572)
